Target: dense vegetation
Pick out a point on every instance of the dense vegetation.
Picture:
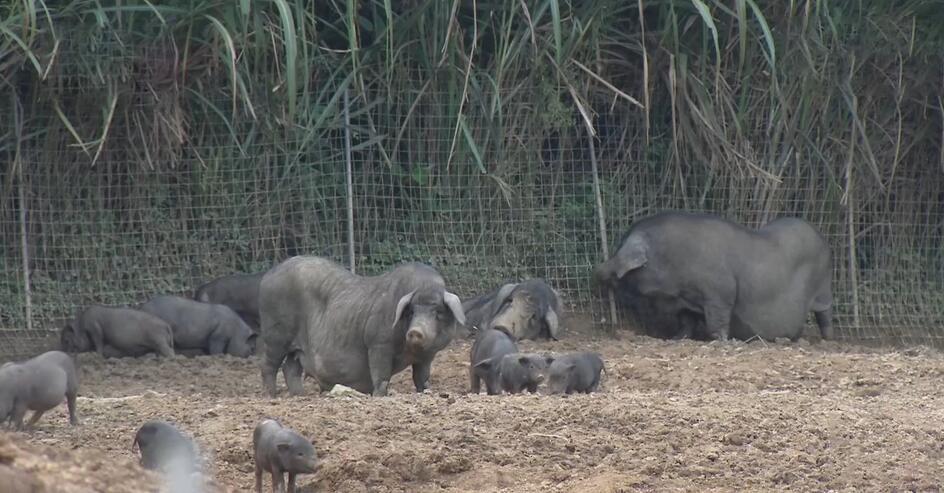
(154, 144)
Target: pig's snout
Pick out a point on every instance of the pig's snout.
(415, 338)
(310, 467)
(504, 328)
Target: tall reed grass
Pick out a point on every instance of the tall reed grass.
(160, 143)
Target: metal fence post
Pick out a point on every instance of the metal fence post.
(349, 178)
(601, 217)
(24, 243)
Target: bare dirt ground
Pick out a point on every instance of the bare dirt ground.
(672, 416)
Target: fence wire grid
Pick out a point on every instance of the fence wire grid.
(179, 194)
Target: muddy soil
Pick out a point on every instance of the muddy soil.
(672, 416)
(32, 468)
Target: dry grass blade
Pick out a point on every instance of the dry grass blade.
(75, 134)
(609, 86)
(576, 98)
(291, 54)
(109, 114)
(465, 93)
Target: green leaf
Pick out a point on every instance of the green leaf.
(471, 143)
(556, 20)
(742, 33)
(768, 36)
(419, 175)
(26, 51)
(231, 48)
(710, 23)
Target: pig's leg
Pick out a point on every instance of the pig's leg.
(164, 349)
(824, 319)
(421, 375)
(381, 367)
(271, 361)
(34, 418)
(291, 483)
(292, 371)
(277, 481)
(70, 403)
(718, 318)
(19, 411)
(475, 383)
(99, 343)
(258, 478)
(217, 342)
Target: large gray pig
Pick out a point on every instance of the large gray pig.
(741, 282)
(129, 332)
(38, 384)
(237, 291)
(215, 329)
(526, 310)
(352, 330)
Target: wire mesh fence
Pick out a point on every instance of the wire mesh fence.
(179, 188)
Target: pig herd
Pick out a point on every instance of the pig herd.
(689, 275)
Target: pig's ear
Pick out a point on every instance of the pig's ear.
(523, 360)
(455, 306)
(284, 446)
(402, 305)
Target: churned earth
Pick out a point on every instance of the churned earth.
(672, 416)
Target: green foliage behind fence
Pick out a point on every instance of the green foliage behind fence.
(157, 146)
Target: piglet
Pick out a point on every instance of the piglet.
(520, 371)
(38, 384)
(575, 372)
(164, 447)
(487, 352)
(279, 450)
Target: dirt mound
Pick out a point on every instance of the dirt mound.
(30, 468)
